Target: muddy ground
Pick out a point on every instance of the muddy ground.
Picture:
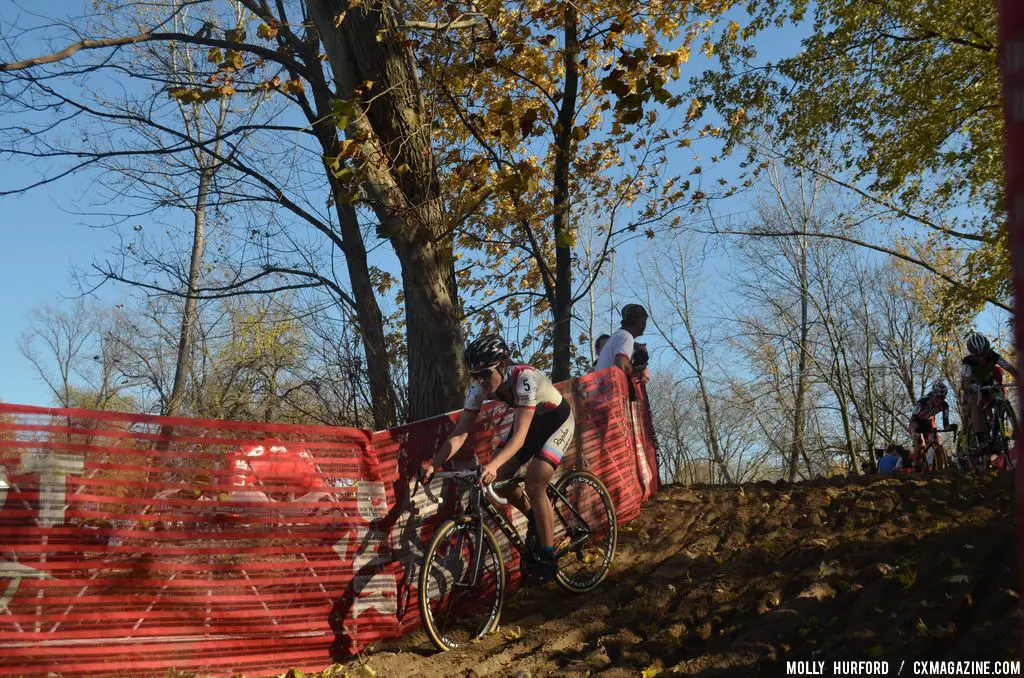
(735, 581)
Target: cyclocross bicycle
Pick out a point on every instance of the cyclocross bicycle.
(935, 456)
(462, 574)
(1001, 424)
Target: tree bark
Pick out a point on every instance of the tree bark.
(401, 183)
(562, 307)
(189, 315)
(799, 413)
(369, 318)
(705, 396)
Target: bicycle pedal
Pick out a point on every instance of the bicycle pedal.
(538, 579)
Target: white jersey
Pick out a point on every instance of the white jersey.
(530, 389)
(620, 343)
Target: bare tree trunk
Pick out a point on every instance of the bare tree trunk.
(435, 349)
(562, 307)
(190, 314)
(591, 310)
(869, 377)
(698, 368)
(206, 167)
(369, 319)
(844, 413)
(799, 413)
(365, 44)
(676, 293)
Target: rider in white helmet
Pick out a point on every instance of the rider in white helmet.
(981, 367)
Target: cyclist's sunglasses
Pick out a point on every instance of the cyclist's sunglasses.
(480, 374)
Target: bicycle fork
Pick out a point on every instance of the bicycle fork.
(475, 500)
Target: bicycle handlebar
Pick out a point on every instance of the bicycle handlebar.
(489, 489)
(457, 474)
(425, 478)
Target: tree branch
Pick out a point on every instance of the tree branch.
(861, 243)
(198, 39)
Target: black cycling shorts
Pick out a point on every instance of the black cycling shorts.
(547, 439)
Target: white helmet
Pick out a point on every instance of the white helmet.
(977, 344)
(939, 389)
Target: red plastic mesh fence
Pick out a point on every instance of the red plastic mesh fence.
(135, 544)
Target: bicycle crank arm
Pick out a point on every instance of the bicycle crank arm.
(572, 545)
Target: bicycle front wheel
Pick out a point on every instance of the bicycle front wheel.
(1008, 433)
(962, 452)
(586, 531)
(461, 585)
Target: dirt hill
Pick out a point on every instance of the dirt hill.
(728, 581)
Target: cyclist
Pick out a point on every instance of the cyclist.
(981, 367)
(541, 430)
(922, 420)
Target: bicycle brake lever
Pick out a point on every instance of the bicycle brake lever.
(423, 480)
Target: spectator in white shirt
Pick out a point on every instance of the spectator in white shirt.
(618, 350)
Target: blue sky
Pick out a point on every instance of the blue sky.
(42, 244)
(45, 239)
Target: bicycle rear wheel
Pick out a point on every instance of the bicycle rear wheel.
(586, 531)
(457, 604)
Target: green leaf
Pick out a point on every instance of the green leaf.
(267, 32)
(344, 112)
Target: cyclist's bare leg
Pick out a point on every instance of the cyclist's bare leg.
(918, 456)
(516, 497)
(977, 415)
(538, 475)
(514, 493)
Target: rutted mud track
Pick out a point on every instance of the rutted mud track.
(729, 581)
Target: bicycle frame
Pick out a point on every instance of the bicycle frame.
(931, 441)
(932, 437)
(477, 506)
(992, 413)
(510, 532)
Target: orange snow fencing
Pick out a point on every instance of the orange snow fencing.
(132, 544)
